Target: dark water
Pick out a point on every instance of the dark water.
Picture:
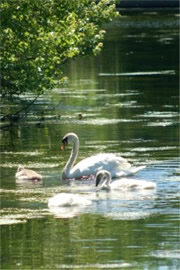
(123, 101)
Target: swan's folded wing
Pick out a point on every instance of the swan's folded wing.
(129, 183)
(109, 162)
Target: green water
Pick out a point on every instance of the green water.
(128, 100)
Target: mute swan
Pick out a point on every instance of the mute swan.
(115, 164)
(68, 200)
(26, 174)
(103, 178)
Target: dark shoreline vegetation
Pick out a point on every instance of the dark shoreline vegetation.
(38, 38)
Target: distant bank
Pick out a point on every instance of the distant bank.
(148, 4)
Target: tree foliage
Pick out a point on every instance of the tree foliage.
(38, 37)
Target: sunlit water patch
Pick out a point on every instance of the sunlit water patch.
(128, 215)
(148, 149)
(143, 73)
(30, 165)
(161, 123)
(95, 266)
(158, 114)
(169, 254)
(67, 92)
(29, 153)
(16, 215)
(100, 121)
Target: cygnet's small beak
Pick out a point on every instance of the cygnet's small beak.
(98, 179)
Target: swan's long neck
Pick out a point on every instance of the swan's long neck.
(72, 158)
(108, 181)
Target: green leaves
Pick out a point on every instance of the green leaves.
(38, 37)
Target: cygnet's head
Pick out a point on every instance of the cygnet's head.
(20, 168)
(101, 176)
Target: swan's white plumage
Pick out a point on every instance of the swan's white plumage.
(128, 183)
(68, 200)
(110, 162)
(113, 163)
(103, 178)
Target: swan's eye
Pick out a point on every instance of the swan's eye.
(65, 141)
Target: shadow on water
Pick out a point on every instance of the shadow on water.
(124, 101)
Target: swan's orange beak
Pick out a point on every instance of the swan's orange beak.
(63, 146)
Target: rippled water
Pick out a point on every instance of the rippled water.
(124, 101)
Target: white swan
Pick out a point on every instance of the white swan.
(113, 163)
(68, 200)
(103, 178)
(26, 174)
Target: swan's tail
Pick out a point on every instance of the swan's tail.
(134, 170)
(128, 172)
(120, 174)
